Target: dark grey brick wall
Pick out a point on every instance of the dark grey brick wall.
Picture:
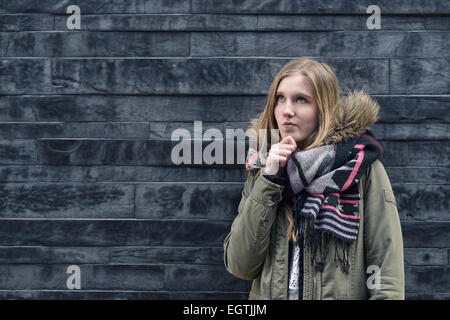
(86, 117)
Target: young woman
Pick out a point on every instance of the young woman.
(317, 218)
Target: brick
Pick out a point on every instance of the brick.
(25, 44)
(187, 201)
(330, 22)
(317, 6)
(166, 255)
(93, 277)
(52, 255)
(425, 257)
(429, 153)
(94, 44)
(99, 7)
(324, 44)
(411, 131)
(17, 152)
(30, 130)
(427, 279)
(70, 151)
(74, 130)
(420, 76)
(99, 232)
(426, 234)
(167, 6)
(60, 7)
(427, 296)
(435, 175)
(64, 200)
(90, 108)
(29, 22)
(163, 22)
(395, 153)
(367, 74)
(437, 23)
(145, 152)
(120, 295)
(37, 81)
(93, 174)
(401, 22)
(422, 202)
(16, 108)
(425, 109)
(126, 255)
(201, 278)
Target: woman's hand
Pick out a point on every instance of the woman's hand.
(278, 155)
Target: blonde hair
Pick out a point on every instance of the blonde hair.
(326, 94)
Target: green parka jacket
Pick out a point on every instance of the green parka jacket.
(257, 246)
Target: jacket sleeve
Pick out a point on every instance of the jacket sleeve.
(245, 247)
(383, 239)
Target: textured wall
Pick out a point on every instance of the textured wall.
(86, 117)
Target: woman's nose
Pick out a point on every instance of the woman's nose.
(288, 109)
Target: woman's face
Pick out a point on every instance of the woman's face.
(296, 111)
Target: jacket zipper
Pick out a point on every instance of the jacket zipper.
(310, 268)
(314, 282)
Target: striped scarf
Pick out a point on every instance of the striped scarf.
(324, 182)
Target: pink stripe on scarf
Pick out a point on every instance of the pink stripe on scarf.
(349, 201)
(253, 157)
(356, 168)
(336, 194)
(373, 141)
(337, 211)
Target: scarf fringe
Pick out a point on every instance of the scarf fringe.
(318, 242)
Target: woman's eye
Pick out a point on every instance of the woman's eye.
(300, 99)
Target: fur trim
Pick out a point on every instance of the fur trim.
(355, 113)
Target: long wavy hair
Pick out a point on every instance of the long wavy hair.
(326, 94)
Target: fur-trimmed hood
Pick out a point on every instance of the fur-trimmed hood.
(355, 113)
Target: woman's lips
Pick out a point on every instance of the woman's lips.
(289, 125)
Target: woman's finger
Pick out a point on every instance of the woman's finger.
(284, 152)
(292, 141)
(286, 146)
(285, 140)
